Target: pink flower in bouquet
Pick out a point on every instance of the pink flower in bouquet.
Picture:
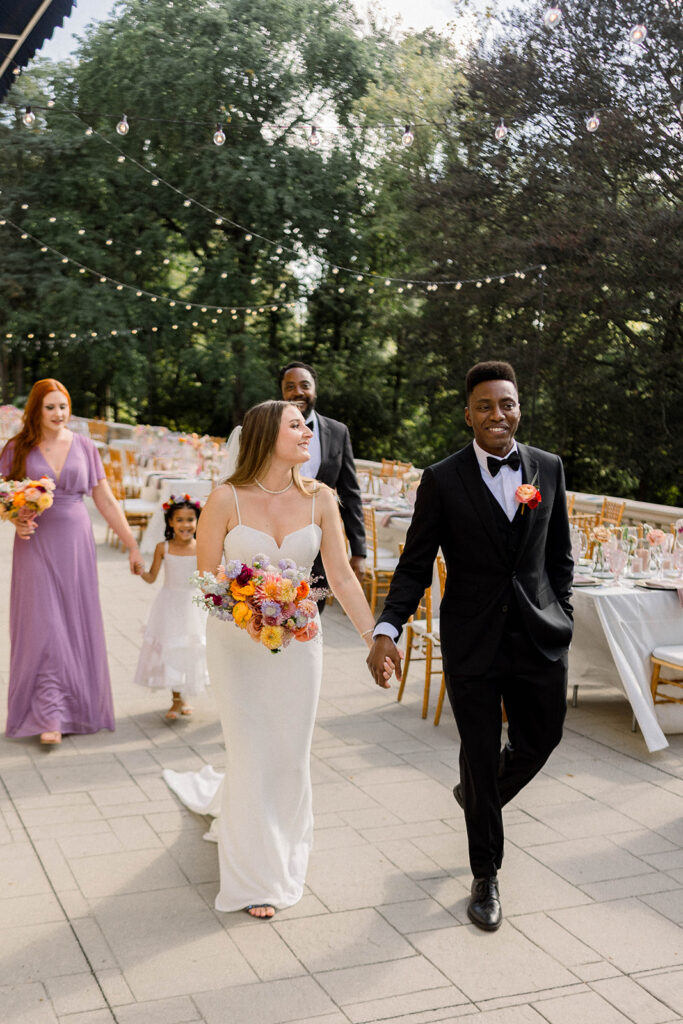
(656, 537)
(254, 626)
(269, 588)
(308, 608)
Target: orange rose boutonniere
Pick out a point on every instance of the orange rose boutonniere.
(528, 494)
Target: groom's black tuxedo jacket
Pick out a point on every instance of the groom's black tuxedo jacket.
(454, 512)
(338, 471)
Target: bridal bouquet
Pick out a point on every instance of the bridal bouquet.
(24, 499)
(274, 605)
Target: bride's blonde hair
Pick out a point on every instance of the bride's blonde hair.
(257, 443)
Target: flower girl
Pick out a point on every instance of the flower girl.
(173, 654)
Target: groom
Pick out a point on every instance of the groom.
(505, 618)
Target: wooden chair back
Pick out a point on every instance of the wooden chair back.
(99, 430)
(612, 512)
(370, 523)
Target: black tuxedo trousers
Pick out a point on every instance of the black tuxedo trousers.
(534, 692)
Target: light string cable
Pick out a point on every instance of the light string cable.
(300, 253)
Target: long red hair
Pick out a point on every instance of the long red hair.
(30, 434)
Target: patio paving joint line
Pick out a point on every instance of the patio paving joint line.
(59, 902)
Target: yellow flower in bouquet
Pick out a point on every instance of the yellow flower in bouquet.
(272, 637)
(286, 591)
(44, 501)
(241, 613)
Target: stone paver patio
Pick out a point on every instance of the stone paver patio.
(107, 886)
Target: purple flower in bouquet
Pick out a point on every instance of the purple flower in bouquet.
(286, 563)
(233, 568)
(272, 613)
(260, 561)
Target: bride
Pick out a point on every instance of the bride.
(267, 703)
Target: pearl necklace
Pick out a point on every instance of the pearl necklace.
(259, 484)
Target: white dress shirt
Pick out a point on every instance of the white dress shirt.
(502, 487)
(310, 468)
(504, 484)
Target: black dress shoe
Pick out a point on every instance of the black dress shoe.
(457, 793)
(484, 906)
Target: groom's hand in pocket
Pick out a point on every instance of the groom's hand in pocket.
(383, 659)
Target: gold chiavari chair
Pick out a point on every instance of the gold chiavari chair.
(422, 639)
(380, 562)
(137, 511)
(612, 512)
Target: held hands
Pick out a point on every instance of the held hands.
(383, 659)
(357, 563)
(136, 561)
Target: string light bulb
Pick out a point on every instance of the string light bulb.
(636, 35)
(123, 127)
(593, 123)
(501, 131)
(313, 138)
(407, 139)
(219, 136)
(552, 17)
(28, 117)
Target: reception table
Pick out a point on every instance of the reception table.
(616, 630)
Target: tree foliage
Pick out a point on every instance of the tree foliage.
(597, 338)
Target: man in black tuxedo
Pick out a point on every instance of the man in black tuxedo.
(505, 619)
(331, 462)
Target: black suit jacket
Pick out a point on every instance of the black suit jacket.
(453, 512)
(338, 471)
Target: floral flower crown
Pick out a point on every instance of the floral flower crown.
(183, 499)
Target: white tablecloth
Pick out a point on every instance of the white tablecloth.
(617, 628)
(164, 487)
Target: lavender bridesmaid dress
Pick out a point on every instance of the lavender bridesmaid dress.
(59, 677)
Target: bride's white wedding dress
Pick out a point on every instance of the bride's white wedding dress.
(267, 704)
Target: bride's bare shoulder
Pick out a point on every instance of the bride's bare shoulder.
(221, 498)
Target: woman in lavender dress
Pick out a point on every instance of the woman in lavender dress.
(59, 677)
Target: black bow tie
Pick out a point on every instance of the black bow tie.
(495, 465)
(311, 425)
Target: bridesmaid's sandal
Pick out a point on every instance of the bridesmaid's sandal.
(261, 906)
(186, 710)
(50, 739)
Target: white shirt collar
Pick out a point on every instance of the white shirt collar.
(482, 456)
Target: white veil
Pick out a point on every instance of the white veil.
(228, 462)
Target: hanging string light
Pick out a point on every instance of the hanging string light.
(314, 138)
(29, 117)
(592, 123)
(637, 34)
(501, 131)
(219, 136)
(552, 17)
(407, 139)
(123, 127)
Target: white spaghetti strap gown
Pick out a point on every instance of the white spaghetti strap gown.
(267, 705)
